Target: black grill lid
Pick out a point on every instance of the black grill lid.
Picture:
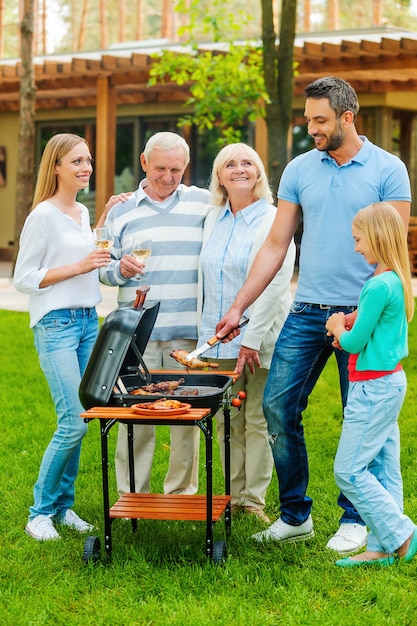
(121, 341)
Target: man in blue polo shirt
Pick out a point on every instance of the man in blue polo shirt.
(326, 186)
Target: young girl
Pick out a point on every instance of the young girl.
(57, 266)
(367, 463)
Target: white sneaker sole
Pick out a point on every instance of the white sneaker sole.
(84, 529)
(38, 538)
(286, 539)
(349, 550)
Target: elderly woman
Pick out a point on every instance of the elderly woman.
(234, 231)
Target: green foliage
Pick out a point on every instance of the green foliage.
(227, 86)
(215, 20)
(160, 575)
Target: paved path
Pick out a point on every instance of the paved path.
(11, 300)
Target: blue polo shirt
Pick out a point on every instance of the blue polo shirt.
(330, 272)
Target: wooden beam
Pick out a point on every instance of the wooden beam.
(105, 152)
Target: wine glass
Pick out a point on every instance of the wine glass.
(102, 238)
(141, 249)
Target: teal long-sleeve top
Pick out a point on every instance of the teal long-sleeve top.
(380, 333)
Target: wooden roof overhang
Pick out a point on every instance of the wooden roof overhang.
(373, 65)
(387, 65)
(74, 84)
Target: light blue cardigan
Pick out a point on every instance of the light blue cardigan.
(269, 311)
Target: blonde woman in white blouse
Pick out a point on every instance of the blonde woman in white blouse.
(57, 266)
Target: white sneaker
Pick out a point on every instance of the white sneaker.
(41, 528)
(348, 539)
(282, 532)
(72, 520)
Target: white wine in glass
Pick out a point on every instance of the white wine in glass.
(102, 238)
(141, 249)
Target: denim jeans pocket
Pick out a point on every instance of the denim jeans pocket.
(56, 320)
(52, 330)
(298, 307)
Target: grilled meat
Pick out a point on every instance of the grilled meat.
(194, 364)
(164, 387)
(161, 405)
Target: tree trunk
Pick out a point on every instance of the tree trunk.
(286, 78)
(271, 78)
(83, 25)
(376, 13)
(139, 19)
(122, 20)
(166, 24)
(103, 25)
(1, 29)
(44, 28)
(26, 144)
(307, 16)
(278, 72)
(333, 15)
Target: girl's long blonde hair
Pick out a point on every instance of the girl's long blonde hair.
(385, 232)
(56, 148)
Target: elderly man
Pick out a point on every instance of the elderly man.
(172, 215)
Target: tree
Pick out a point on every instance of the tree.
(83, 26)
(26, 143)
(278, 70)
(226, 84)
(232, 88)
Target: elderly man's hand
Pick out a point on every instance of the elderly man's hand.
(129, 266)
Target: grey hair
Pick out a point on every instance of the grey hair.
(166, 141)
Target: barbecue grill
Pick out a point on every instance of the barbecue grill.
(115, 370)
(116, 367)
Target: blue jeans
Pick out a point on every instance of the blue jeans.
(64, 340)
(367, 464)
(301, 352)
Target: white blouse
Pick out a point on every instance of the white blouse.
(50, 239)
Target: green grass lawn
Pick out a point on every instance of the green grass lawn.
(161, 575)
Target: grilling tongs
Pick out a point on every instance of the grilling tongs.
(212, 342)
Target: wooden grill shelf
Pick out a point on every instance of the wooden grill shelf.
(127, 414)
(168, 507)
(206, 508)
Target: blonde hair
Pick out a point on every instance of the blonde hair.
(56, 148)
(384, 229)
(166, 141)
(218, 191)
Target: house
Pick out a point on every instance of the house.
(104, 96)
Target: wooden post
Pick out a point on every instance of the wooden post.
(105, 152)
(261, 141)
